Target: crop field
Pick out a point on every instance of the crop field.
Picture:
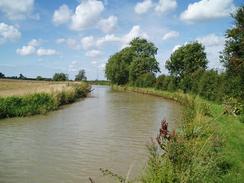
(10, 87)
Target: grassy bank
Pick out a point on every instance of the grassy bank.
(26, 98)
(208, 147)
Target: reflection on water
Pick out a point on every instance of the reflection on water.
(106, 130)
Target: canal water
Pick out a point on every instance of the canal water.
(108, 130)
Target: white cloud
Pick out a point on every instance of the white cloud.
(16, 9)
(176, 47)
(165, 6)
(143, 7)
(88, 42)
(86, 14)
(35, 42)
(94, 53)
(213, 45)
(109, 24)
(46, 52)
(26, 50)
(74, 66)
(212, 40)
(71, 43)
(171, 34)
(107, 39)
(134, 32)
(31, 49)
(8, 33)
(62, 15)
(207, 9)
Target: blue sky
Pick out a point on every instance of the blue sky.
(41, 37)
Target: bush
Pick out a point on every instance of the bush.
(146, 80)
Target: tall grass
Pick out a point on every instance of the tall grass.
(207, 147)
(40, 103)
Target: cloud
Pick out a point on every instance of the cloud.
(62, 15)
(165, 6)
(71, 43)
(35, 42)
(16, 9)
(74, 66)
(88, 42)
(207, 9)
(134, 32)
(8, 33)
(176, 48)
(171, 34)
(31, 49)
(94, 53)
(46, 52)
(212, 40)
(143, 7)
(86, 14)
(213, 45)
(26, 50)
(107, 39)
(109, 24)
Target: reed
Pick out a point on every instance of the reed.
(41, 101)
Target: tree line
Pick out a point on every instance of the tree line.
(81, 76)
(136, 65)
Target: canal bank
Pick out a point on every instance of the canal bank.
(214, 141)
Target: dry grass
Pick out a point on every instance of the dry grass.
(23, 87)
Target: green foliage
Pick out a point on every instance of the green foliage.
(40, 103)
(145, 80)
(186, 60)
(233, 55)
(2, 75)
(60, 77)
(132, 62)
(209, 85)
(117, 68)
(81, 76)
(26, 105)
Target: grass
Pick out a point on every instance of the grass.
(208, 147)
(24, 98)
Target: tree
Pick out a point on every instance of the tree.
(60, 77)
(132, 62)
(144, 60)
(81, 76)
(146, 80)
(184, 62)
(233, 56)
(2, 75)
(117, 68)
(187, 59)
(21, 76)
(39, 78)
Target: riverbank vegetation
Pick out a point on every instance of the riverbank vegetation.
(208, 147)
(24, 98)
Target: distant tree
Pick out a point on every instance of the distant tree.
(184, 62)
(131, 62)
(2, 75)
(146, 80)
(118, 66)
(233, 56)
(144, 60)
(60, 77)
(21, 76)
(81, 76)
(187, 59)
(39, 78)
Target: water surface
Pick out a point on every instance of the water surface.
(107, 130)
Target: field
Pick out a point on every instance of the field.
(23, 98)
(10, 87)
